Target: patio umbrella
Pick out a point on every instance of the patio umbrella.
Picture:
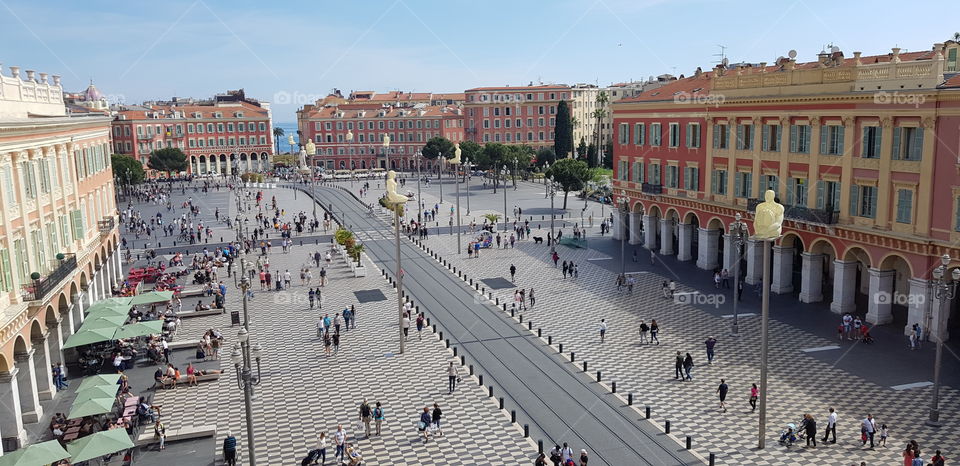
(38, 453)
(138, 329)
(101, 379)
(109, 306)
(97, 391)
(118, 300)
(102, 321)
(88, 337)
(91, 407)
(99, 444)
(110, 311)
(152, 297)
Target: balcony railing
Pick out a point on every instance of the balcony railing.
(39, 288)
(145, 137)
(106, 225)
(803, 214)
(649, 188)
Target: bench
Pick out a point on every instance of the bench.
(183, 344)
(191, 291)
(183, 379)
(184, 433)
(209, 312)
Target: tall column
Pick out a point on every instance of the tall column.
(844, 286)
(919, 305)
(636, 224)
(11, 417)
(27, 384)
(934, 326)
(666, 236)
(782, 270)
(880, 296)
(754, 256)
(649, 231)
(41, 366)
(685, 240)
(729, 252)
(618, 227)
(78, 307)
(55, 339)
(811, 278)
(119, 259)
(707, 249)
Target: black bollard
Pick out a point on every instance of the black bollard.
(647, 412)
(504, 307)
(629, 399)
(550, 340)
(613, 387)
(666, 427)
(513, 312)
(471, 369)
(497, 301)
(539, 332)
(526, 431)
(573, 356)
(441, 333)
(463, 360)
(513, 417)
(448, 343)
(480, 380)
(598, 375)
(561, 348)
(689, 442)
(539, 446)
(501, 402)
(584, 366)
(490, 391)
(713, 459)
(529, 325)
(454, 350)
(521, 318)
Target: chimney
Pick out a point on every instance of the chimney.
(856, 57)
(698, 72)
(896, 55)
(938, 48)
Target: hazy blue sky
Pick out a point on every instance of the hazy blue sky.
(298, 50)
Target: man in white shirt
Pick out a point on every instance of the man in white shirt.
(869, 426)
(603, 329)
(340, 437)
(831, 426)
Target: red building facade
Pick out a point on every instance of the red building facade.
(513, 115)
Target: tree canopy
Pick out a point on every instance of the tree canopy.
(582, 149)
(127, 170)
(472, 151)
(169, 159)
(563, 141)
(545, 155)
(570, 174)
(438, 146)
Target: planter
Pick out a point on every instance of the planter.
(360, 271)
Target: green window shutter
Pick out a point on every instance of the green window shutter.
(640, 176)
(740, 144)
(878, 134)
(842, 130)
(820, 200)
(716, 136)
(713, 182)
(726, 133)
(823, 139)
(7, 276)
(695, 182)
(765, 138)
(689, 135)
(895, 150)
(738, 185)
(779, 130)
(806, 138)
(866, 141)
(643, 134)
(854, 201)
(794, 142)
(873, 202)
(791, 187)
(917, 144)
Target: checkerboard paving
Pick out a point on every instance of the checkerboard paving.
(570, 310)
(304, 392)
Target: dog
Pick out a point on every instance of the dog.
(538, 240)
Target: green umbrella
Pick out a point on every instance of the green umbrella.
(101, 379)
(102, 321)
(152, 297)
(139, 329)
(109, 311)
(96, 391)
(121, 300)
(115, 307)
(99, 444)
(38, 453)
(88, 337)
(91, 407)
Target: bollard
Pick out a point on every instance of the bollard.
(480, 380)
(454, 350)
(550, 340)
(689, 442)
(713, 459)
(441, 333)
(539, 332)
(521, 318)
(539, 446)
(471, 369)
(561, 348)
(666, 427)
(647, 412)
(497, 302)
(573, 356)
(613, 387)
(584, 366)
(476, 286)
(513, 312)
(598, 375)
(629, 399)
(471, 282)
(490, 391)
(526, 431)
(490, 295)
(513, 417)
(501, 402)
(529, 325)
(504, 307)
(463, 360)
(448, 343)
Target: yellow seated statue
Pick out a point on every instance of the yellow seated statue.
(393, 197)
(768, 222)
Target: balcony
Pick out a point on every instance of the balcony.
(41, 287)
(106, 225)
(802, 214)
(145, 137)
(650, 188)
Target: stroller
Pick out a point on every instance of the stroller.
(791, 435)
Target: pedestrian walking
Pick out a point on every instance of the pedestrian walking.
(688, 365)
(754, 394)
(603, 329)
(336, 342)
(722, 392)
(340, 439)
(424, 424)
(513, 272)
(566, 453)
(564, 269)
(868, 428)
(810, 426)
(555, 456)
(230, 449)
(644, 328)
(533, 300)
(311, 295)
(435, 418)
(654, 330)
(555, 257)
(420, 322)
(673, 288)
(405, 325)
(378, 417)
(451, 378)
(583, 458)
(653, 257)
(678, 367)
(322, 447)
(620, 282)
(365, 416)
(831, 427)
(710, 344)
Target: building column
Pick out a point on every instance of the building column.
(55, 339)
(649, 231)
(685, 240)
(880, 302)
(707, 249)
(636, 224)
(754, 254)
(41, 366)
(729, 252)
(666, 236)
(78, 305)
(618, 227)
(844, 286)
(782, 270)
(919, 305)
(27, 384)
(118, 256)
(811, 278)
(11, 419)
(934, 327)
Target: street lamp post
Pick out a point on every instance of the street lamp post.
(945, 289)
(350, 154)
(504, 172)
(456, 181)
(624, 203)
(241, 358)
(419, 180)
(386, 150)
(737, 230)
(546, 189)
(440, 161)
(311, 153)
(466, 175)
(551, 192)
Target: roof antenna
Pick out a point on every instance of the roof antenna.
(722, 54)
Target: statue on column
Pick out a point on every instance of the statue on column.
(768, 223)
(302, 162)
(393, 197)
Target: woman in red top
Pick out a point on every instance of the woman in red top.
(908, 455)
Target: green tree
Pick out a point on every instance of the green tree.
(582, 149)
(518, 158)
(127, 170)
(169, 159)
(472, 152)
(277, 134)
(570, 174)
(545, 155)
(608, 154)
(563, 139)
(591, 158)
(600, 113)
(495, 156)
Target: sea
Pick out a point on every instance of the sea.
(288, 129)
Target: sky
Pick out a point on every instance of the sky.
(293, 52)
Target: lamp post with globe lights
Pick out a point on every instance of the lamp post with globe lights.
(349, 138)
(738, 231)
(503, 172)
(311, 153)
(241, 358)
(386, 150)
(466, 175)
(945, 289)
(456, 181)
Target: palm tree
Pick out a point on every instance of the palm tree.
(277, 134)
(600, 113)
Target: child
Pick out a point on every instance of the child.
(883, 435)
(840, 332)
